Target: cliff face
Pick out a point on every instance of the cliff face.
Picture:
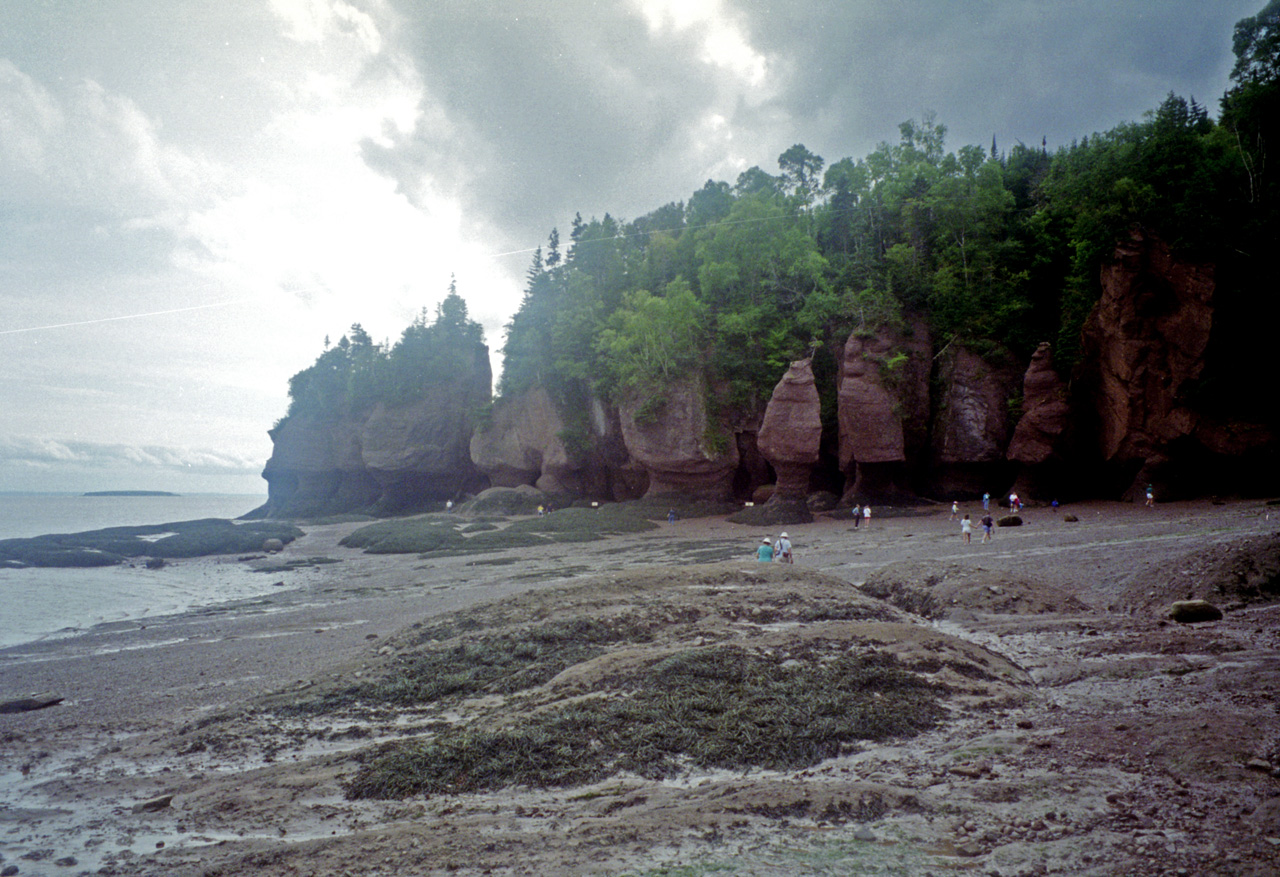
(883, 398)
(316, 468)
(524, 443)
(683, 451)
(1144, 347)
(912, 421)
(391, 457)
(972, 422)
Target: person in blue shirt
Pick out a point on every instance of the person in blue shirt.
(764, 553)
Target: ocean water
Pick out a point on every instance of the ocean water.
(36, 604)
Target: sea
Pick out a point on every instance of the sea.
(38, 604)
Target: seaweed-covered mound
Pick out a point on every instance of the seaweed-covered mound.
(114, 545)
(654, 672)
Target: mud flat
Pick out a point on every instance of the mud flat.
(897, 702)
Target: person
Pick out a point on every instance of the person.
(986, 501)
(782, 549)
(764, 554)
(966, 528)
(1151, 497)
(987, 525)
(1014, 505)
(857, 515)
(955, 509)
(866, 514)
(671, 516)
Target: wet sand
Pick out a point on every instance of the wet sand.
(73, 775)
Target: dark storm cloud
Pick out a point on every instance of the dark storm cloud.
(538, 111)
(1013, 69)
(551, 110)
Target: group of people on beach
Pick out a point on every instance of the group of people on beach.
(966, 526)
(779, 551)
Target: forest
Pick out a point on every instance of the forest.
(996, 248)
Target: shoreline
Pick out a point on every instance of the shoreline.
(148, 686)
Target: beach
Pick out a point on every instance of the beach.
(1106, 739)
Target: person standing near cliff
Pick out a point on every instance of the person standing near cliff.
(1151, 497)
(986, 501)
(866, 514)
(955, 509)
(857, 515)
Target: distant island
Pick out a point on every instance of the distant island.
(131, 493)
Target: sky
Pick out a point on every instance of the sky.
(194, 195)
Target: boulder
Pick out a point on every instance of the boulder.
(1194, 611)
(791, 432)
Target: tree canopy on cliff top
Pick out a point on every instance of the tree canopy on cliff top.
(356, 373)
(999, 250)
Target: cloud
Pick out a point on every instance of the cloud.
(44, 453)
(87, 148)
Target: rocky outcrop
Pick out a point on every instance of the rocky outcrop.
(420, 452)
(1045, 412)
(389, 457)
(1037, 440)
(1143, 347)
(791, 433)
(883, 397)
(525, 443)
(683, 451)
(316, 468)
(972, 425)
(521, 441)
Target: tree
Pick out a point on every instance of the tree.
(1256, 45)
(709, 204)
(1251, 109)
(801, 172)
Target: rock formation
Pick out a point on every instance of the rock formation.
(1143, 346)
(1038, 436)
(390, 457)
(972, 424)
(420, 452)
(316, 468)
(683, 451)
(525, 443)
(883, 388)
(912, 421)
(791, 433)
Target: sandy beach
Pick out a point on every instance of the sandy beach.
(1084, 733)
